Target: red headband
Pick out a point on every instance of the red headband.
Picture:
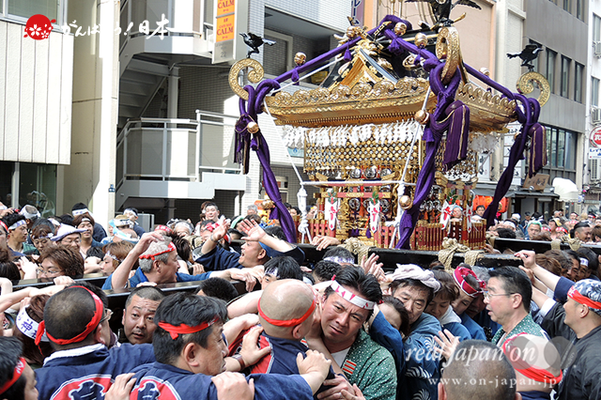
(93, 324)
(163, 228)
(19, 368)
(183, 329)
(4, 225)
(210, 227)
(521, 366)
(579, 298)
(289, 322)
(459, 275)
(170, 248)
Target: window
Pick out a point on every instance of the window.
(565, 75)
(535, 61)
(571, 138)
(21, 10)
(552, 159)
(596, 28)
(26, 9)
(277, 58)
(561, 148)
(561, 153)
(595, 92)
(566, 5)
(580, 9)
(578, 74)
(550, 70)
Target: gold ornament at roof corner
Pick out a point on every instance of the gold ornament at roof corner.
(449, 49)
(525, 86)
(254, 75)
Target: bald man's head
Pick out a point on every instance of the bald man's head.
(478, 369)
(284, 301)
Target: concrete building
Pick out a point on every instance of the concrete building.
(36, 87)
(127, 104)
(592, 185)
(561, 26)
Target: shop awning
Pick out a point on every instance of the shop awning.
(566, 189)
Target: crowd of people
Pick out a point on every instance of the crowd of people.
(533, 226)
(339, 329)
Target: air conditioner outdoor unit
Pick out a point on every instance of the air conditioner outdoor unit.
(597, 49)
(596, 115)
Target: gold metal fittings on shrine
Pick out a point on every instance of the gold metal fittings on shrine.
(448, 49)
(254, 75)
(525, 86)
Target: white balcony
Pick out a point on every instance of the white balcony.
(177, 158)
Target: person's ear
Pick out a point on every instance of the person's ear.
(156, 264)
(517, 300)
(296, 333)
(190, 354)
(262, 254)
(442, 394)
(98, 335)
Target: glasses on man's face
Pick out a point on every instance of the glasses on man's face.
(108, 313)
(48, 272)
(488, 295)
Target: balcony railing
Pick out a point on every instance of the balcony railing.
(176, 149)
(187, 18)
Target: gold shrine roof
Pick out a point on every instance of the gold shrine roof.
(367, 90)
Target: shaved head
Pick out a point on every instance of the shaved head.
(284, 300)
(478, 368)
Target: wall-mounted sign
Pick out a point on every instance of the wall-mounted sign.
(231, 18)
(596, 136)
(538, 182)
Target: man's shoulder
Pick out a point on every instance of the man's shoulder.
(144, 350)
(426, 324)
(166, 381)
(365, 346)
(527, 325)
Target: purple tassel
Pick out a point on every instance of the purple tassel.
(394, 47)
(242, 141)
(347, 55)
(295, 77)
(538, 150)
(458, 121)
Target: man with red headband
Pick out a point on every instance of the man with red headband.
(17, 379)
(286, 312)
(578, 321)
(158, 264)
(347, 304)
(190, 348)
(82, 366)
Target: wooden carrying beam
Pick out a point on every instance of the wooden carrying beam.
(535, 245)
